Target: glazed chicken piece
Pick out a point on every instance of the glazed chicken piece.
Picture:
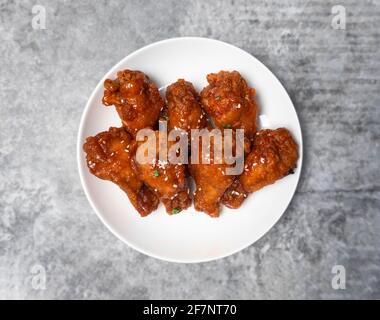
(230, 102)
(184, 109)
(167, 180)
(274, 155)
(185, 113)
(211, 180)
(136, 99)
(235, 195)
(110, 157)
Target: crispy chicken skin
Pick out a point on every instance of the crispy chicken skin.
(211, 182)
(184, 109)
(168, 181)
(230, 102)
(110, 157)
(136, 99)
(274, 155)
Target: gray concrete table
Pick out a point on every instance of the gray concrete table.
(52, 245)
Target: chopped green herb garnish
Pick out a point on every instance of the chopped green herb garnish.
(156, 173)
(227, 126)
(217, 97)
(176, 210)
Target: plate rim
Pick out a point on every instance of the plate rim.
(79, 150)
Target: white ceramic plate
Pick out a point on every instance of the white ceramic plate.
(191, 236)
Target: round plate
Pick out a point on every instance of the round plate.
(191, 236)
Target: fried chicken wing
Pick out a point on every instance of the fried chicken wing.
(185, 113)
(184, 109)
(168, 181)
(230, 102)
(136, 99)
(274, 155)
(110, 157)
(211, 180)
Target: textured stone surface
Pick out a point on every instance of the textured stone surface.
(46, 77)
